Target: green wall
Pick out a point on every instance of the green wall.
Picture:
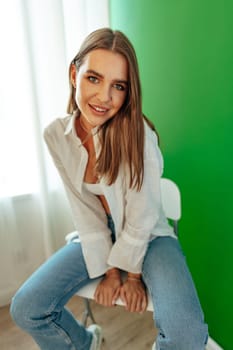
(185, 52)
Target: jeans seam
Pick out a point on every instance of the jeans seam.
(63, 333)
(58, 328)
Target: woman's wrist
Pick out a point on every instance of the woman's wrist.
(134, 277)
(114, 272)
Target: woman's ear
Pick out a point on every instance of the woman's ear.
(73, 72)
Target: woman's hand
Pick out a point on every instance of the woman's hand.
(108, 290)
(133, 294)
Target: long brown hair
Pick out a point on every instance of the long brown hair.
(121, 137)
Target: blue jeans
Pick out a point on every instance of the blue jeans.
(178, 315)
(39, 305)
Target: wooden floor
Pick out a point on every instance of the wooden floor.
(122, 330)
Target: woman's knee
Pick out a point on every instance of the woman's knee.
(22, 309)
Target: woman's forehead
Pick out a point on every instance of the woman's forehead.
(106, 62)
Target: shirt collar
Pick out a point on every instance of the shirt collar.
(71, 125)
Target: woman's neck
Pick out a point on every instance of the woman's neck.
(85, 136)
(87, 127)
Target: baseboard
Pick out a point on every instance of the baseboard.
(212, 345)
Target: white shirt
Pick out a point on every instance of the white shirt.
(138, 216)
(93, 188)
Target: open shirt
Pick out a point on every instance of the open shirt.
(138, 215)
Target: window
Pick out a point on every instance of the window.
(18, 160)
(38, 40)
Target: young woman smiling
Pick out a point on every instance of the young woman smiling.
(108, 157)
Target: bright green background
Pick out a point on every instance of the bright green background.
(185, 52)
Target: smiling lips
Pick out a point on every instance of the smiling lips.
(99, 109)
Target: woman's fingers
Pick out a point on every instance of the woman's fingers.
(123, 295)
(133, 294)
(133, 302)
(107, 291)
(144, 303)
(115, 296)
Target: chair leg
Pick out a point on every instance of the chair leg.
(87, 312)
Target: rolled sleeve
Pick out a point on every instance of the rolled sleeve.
(127, 253)
(89, 219)
(141, 216)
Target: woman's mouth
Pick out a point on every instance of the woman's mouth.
(99, 109)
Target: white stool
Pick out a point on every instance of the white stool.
(171, 201)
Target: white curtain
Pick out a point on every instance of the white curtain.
(38, 40)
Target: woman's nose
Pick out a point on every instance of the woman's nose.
(104, 93)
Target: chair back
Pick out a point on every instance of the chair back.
(171, 201)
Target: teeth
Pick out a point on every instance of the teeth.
(100, 109)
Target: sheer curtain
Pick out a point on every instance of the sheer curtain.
(38, 40)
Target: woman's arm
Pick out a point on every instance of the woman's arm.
(142, 213)
(88, 215)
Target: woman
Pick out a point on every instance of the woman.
(108, 157)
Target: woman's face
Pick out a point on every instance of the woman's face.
(101, 86)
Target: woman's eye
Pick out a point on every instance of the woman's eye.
(92, 79)
(119, 87)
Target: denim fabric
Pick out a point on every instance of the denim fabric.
(111, 227)
(39, 305)
(178, 315)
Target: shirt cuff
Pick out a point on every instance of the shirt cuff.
(127, 256)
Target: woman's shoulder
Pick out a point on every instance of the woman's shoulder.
(151, 139)
(152, 151)
(59, 125)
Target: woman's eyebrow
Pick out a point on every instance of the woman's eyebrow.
(92, 71)
(120, 81)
